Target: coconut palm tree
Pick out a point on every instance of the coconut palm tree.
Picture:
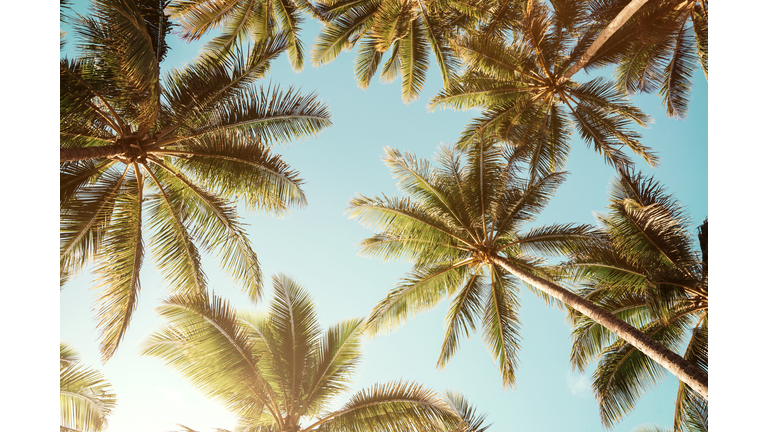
(409, 30)
(86, 398)
(645, 270)
(657, 48)
(170, 156)
(461, 225)
(242, 21)
(519, 82)
(278, 371)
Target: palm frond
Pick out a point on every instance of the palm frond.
(203, 341)
(119, 260)
(241, 167)
(391, 407)
(501, 325)
(214, 223)
(177, 256)
(416, 293)
(85, 396)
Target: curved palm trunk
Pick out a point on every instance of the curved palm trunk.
(681, 368)
(85, 153)
(616, 24)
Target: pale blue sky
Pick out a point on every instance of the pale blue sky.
(317, 246)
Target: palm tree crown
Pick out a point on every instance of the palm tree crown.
(279, 371)
(455, 220)
(167, 155)
(519, 81)
(643, 268)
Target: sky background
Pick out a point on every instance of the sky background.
(317, 247)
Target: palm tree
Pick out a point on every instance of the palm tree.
(86, 398)
(461, 226)
(645, 270)
(169, 155)
(519, 82)
(656, 49)
(408, 29)
(279, 371)
(244, 20)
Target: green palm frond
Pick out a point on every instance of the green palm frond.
(473, 420)
(501, 325)
(391, 407)
(335, 360)
(177, 256)
(416, 293)
(85, 220)
(119, 260)
(657, 48)
(85, 396)
(203, 341)
(461, 316)
(407, 30)
(215, 225)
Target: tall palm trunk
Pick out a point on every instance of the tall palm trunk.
(616, 24)
(681, 368)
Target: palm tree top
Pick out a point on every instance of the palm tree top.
(279, 371)
(184, 148)
(456, 219)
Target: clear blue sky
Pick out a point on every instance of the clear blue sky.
(317, 246)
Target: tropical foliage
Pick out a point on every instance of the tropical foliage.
(171, 159)
(244, 21)
(85, 396)
(519, 82)
(279, 371)
(409, 30)
(461, 225)
(658, 47)
(643, 268)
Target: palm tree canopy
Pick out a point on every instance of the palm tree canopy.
(517, 78)
(279, 371)
(409, 30)
(85, 396)
(658, 48)
(169, 156)
(244, 21)
(645, 269)
(454, 219)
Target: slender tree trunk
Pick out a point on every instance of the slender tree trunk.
(614, 25)
(681, 368)
(84, 153)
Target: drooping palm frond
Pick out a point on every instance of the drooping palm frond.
(244, 21)
(85, 396)
(657, 48)
(409, 31)
(185, 153)
(278, 371)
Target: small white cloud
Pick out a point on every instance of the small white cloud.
(172, 395)
(578, 384)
